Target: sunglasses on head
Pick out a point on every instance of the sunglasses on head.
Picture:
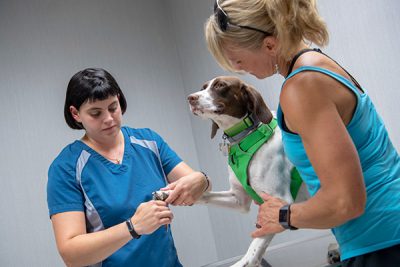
(223, 20)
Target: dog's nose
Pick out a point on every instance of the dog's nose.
(192, 98)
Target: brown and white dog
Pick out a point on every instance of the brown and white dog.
(226, 101)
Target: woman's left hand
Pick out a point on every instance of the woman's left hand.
(268, 216)
(186, 190)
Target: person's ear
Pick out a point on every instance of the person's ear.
(270, 45)
(75, 114)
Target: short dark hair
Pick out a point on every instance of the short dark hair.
(89, 85)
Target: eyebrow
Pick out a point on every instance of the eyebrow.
(97, 108)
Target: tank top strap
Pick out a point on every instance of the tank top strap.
(301, 52)
(331, 74)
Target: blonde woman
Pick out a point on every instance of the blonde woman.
(331, 130)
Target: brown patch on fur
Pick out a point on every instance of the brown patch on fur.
(235, 98)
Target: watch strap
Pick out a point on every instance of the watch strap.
(131, 229)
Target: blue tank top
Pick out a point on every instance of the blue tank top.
(379, 226)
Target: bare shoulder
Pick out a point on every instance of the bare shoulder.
(304, 97)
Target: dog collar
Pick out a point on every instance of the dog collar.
(241, 129)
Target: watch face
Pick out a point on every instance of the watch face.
(283, 216)
(284, 220)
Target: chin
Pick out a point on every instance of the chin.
(114, 131)
(261, 76)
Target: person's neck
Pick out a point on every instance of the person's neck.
(104, 145)
(283, 64)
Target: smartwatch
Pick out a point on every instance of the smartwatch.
(132, 229)
(284, 218)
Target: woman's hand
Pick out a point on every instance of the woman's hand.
(149, 216)
(187, 190)
(268, 216)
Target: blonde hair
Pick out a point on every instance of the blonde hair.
(290, 21)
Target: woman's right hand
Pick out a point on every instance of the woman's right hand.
(149, 216)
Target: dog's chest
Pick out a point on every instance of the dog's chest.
(269, 169)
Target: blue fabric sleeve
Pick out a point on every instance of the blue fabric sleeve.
(63, 192)
(168, 156)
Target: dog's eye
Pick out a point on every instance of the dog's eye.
(204, 87)
(219, 86)
(222, 90)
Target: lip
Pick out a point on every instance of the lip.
(109, 128)
(196, 110)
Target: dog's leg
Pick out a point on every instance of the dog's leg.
(256, 251)
(236, 198)
(227, 199)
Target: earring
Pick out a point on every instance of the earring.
(276, 69)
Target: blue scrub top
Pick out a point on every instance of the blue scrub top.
(80, 179)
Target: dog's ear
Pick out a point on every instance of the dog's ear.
(256, 104)
(214, 129)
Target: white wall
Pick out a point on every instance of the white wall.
(156, 51)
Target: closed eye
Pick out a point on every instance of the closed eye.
(113, 107)
(95, 114)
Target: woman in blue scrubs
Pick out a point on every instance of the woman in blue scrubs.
(100, 187)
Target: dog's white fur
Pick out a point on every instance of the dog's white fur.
(269, 170)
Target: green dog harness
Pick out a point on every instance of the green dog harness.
(240, 155)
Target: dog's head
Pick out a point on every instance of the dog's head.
(226, 97)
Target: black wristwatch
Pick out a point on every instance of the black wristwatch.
(284, 218)
(131, 229)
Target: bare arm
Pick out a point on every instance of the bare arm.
(78, 248)
(313, 113)
(312, 110)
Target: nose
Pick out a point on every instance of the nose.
(193, 98)
(108, 118)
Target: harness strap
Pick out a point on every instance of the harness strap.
(263, 132)
(240, 130)
(241, 154)
(295, 182)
